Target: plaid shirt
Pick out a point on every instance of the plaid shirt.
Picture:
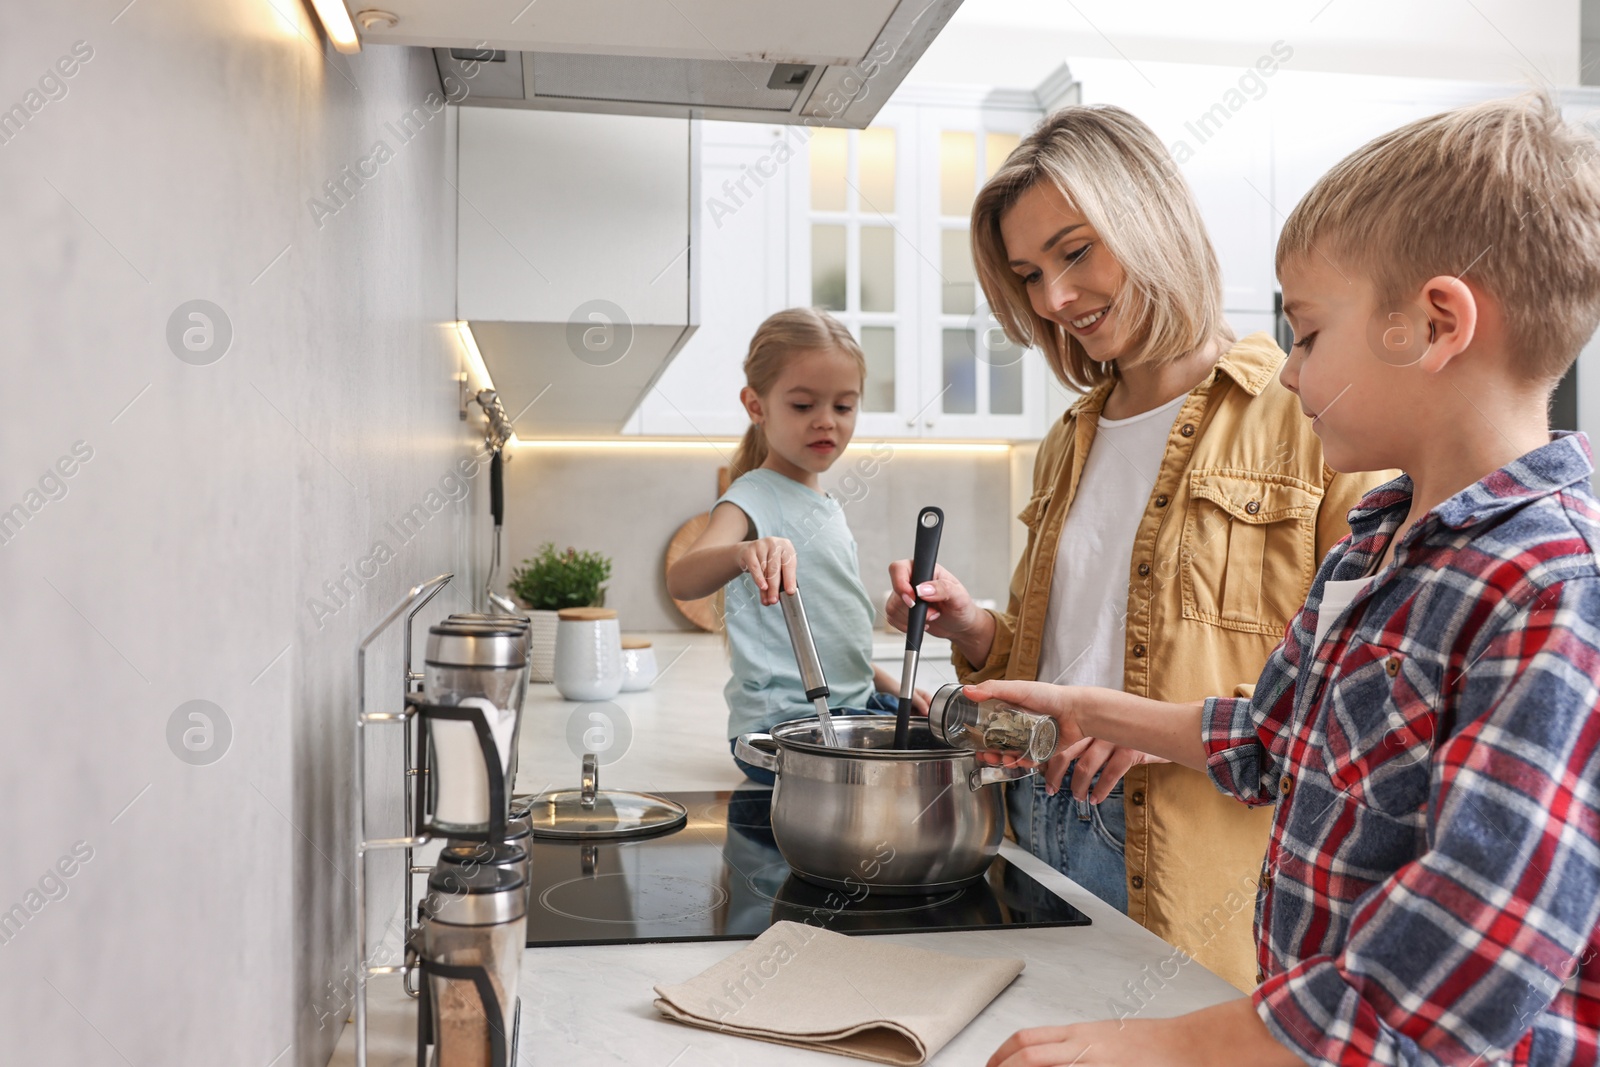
(1431, 890)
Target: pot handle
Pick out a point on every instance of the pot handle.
(990, 774)
(758, 750)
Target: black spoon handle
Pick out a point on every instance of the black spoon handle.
(930, 524)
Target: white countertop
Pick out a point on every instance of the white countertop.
(592, 1005)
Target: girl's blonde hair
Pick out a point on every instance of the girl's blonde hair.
(1114, 170)
(781, 336)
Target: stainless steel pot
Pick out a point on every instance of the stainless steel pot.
(869, 818)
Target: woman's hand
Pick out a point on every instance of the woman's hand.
(1111, 762)
(770, 562)
(951, 610)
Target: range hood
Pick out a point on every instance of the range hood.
(818, 63)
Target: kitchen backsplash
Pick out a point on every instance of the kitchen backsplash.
(628, 503)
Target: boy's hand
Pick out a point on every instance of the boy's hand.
(1062, 703)
(771, 563)
(1229, 1034)
(951, 610)
(1041, 698)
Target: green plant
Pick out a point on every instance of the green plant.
(551, 580)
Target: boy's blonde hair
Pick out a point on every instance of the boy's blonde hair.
(782, 335)
(1114, 170)
(1504, 195)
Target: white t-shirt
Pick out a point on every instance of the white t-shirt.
(1336, 596)
(1085, 625)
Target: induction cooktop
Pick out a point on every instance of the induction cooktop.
(720, 877)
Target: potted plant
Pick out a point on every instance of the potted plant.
(549, 581)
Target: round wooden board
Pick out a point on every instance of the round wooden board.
(702, 612)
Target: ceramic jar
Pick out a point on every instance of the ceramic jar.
(588, 664)
(638, 665)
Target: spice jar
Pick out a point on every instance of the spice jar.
(990, 726)
(471, 953)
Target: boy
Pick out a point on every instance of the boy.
(1427, 729)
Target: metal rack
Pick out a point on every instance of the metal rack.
(416, 786)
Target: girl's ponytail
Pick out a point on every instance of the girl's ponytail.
(783, 334)
(752, 452)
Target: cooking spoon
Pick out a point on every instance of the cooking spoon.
(805, 650)
(930, 522)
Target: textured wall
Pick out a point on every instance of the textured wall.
(209, 500)
(628, 503)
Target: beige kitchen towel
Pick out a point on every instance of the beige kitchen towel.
(866, 997)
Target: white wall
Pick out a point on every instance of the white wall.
(213, 922)
(628, 504)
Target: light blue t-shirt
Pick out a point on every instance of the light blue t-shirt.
(765, 688)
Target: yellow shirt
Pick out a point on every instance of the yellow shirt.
(1242, 511)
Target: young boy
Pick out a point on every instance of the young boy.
(1427, 729)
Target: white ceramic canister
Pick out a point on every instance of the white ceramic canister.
(542, 645)
(588, 654)
(638, 665)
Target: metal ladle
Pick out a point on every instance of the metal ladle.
(805, 651)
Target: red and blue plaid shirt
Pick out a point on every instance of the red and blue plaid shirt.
(1431, 890)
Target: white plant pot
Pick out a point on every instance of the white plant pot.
(542, 646)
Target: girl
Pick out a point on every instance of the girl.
(804, 375)
(1178, 512)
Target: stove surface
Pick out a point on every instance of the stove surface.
(721, 878)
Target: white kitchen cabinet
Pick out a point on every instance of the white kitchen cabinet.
(577, 266)
(559, 209)
(744, 177)
(879, 221)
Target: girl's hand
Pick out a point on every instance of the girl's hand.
(770, 562)
(951, 610)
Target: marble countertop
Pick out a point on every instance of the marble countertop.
(593, 1005)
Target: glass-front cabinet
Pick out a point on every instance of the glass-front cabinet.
(881, 240)
(871, 225)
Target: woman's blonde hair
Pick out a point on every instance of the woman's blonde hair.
(781, 336)
(1113, 169)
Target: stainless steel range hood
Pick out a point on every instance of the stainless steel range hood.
(821, 63)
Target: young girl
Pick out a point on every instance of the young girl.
(774, 524)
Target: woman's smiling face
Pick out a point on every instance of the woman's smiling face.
(1070, 276)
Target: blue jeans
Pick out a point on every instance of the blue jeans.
(877, 704)
(1083, 841)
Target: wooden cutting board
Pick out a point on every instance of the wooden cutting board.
(702, 612)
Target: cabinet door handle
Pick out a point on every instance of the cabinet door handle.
(928, 424)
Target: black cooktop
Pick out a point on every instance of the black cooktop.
(721, 878)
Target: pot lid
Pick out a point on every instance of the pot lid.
(473, 853)
(617, 813)
(475, 896)
(476, 644)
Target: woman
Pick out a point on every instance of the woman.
(1178, 513)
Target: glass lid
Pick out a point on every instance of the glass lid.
(590, 812)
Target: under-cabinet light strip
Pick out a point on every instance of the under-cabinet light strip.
(336, 21)
(728, 444)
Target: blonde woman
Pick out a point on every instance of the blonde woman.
(1178, 514)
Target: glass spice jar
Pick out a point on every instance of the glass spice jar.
(990, 726)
